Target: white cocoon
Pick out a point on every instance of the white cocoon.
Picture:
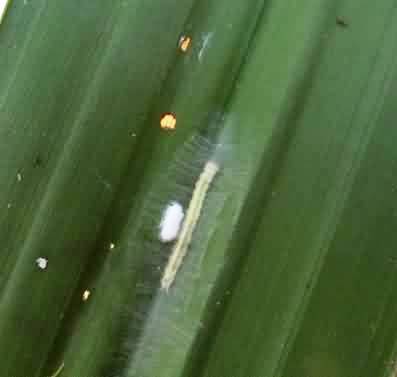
(171, 222)
(42, 263)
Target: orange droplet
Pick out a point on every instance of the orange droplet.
(184, 43)
(168, 121)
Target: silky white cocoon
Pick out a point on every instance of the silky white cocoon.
(42, 263)
(171, 222)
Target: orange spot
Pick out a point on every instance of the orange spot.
(168, 121)
(184, 43)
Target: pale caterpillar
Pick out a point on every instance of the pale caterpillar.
(193, 214)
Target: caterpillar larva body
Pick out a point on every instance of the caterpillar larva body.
(189, 224)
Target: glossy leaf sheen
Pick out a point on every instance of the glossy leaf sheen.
(291, 268)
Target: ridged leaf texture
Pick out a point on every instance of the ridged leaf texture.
(290, 269)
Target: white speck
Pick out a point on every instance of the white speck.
(171, 222)
(112, 246)
(19, 177)
(9, 205)
(42, 263)
(86, 295)
(133, 134)
(206, 40)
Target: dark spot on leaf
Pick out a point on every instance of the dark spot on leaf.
(341, 22)
(38, 161)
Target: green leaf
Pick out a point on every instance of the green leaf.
(290, 270)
